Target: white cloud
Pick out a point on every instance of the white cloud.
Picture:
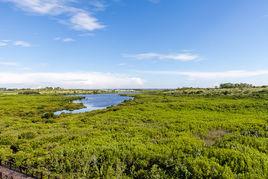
(122, 64)
(6, 41)
(22, 43)
(235, 74)
(77, 18)
(83, 21)
(12, 65)
(98, 4)
(3, 44)
(38, 6)
(69, 80)
(169, 56)
(225, 74)
(4, 63)
(66, 39)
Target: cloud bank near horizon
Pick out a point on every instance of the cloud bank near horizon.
(205, 78)
(205, 75)
(94, 80)
(86, 80)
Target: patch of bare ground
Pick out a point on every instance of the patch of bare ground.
(6, 173)
(213, 135)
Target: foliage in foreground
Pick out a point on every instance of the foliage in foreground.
(158, 135)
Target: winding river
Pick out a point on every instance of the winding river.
(95, 102)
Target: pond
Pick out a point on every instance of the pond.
(95, 102)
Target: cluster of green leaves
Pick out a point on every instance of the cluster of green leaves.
(158, 135)
(235, 85)
(236, 92)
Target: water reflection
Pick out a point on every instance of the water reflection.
(95, 102)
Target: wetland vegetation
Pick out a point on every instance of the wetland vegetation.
(182, 133)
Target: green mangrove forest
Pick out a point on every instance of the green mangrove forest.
(182, 133)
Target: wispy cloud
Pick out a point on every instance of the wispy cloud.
(22, 43)
(225, 74)
(121, 64)
(77, 18)
(163, 56)
(6, 63)
(212, 75)
(66, 39)
(98, 5)
(3, 44)
(70, 80)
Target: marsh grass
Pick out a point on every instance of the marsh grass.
(159, 134)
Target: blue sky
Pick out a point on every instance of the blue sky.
(132, 43)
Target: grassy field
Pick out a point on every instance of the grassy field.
(186, 133)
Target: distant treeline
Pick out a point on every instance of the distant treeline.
(16, 89)
(221, 86)
(236, 85)
(29, 92)
(59, 90)
(228, 85)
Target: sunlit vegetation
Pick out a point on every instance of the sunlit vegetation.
(58, 90)
(183, 133)
(235, 85)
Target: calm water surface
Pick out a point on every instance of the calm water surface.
(96, 101)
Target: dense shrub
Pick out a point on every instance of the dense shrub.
(235, 85)
(29, 92)
(47, 115)
(183, 133)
